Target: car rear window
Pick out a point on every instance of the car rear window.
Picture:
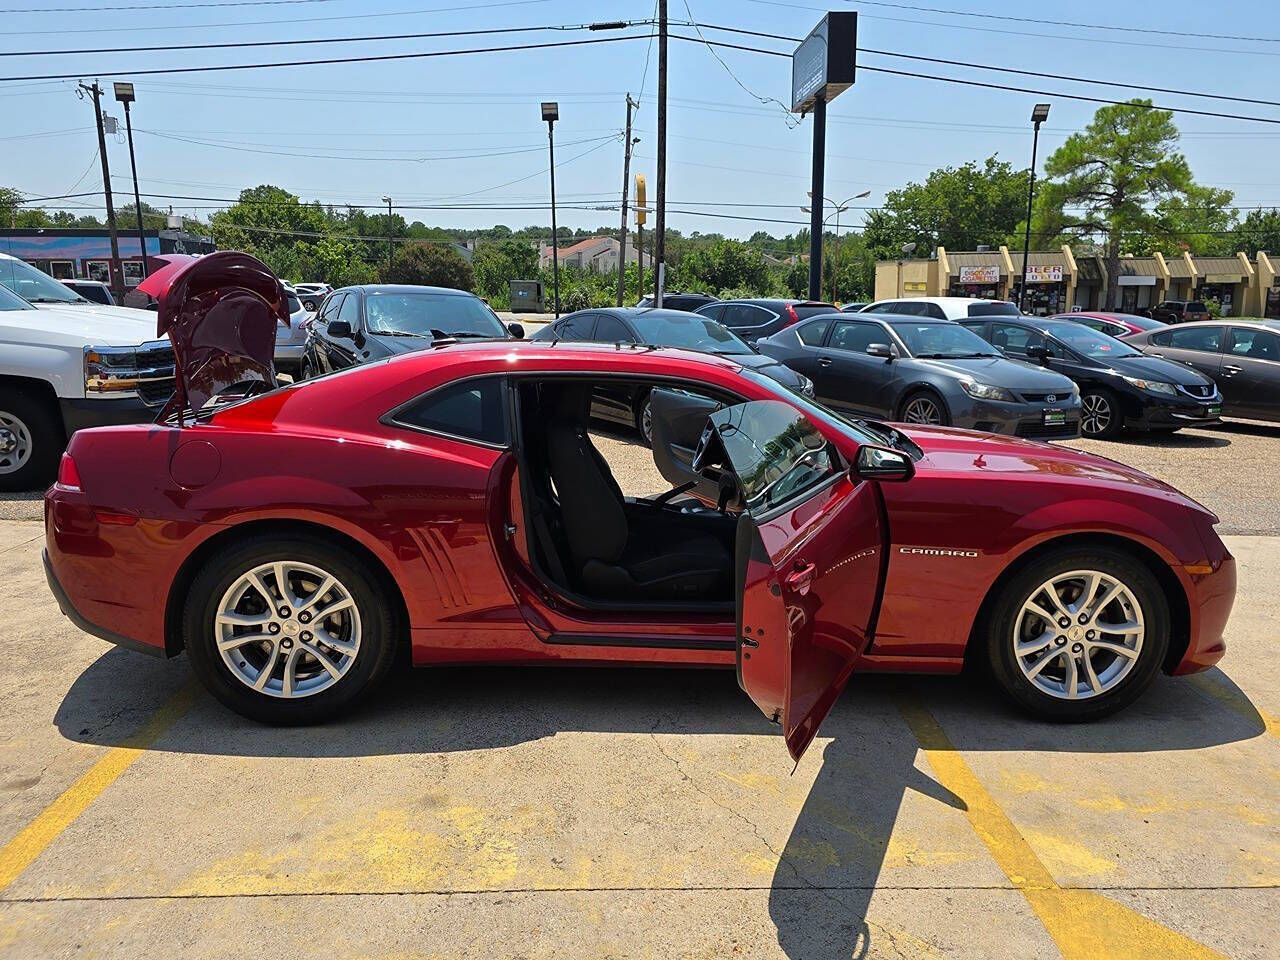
(993, 310)
(470, 410)
(1196, 306)
(805, 310)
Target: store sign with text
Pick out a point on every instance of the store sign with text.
(1044, 274)
(987, 275)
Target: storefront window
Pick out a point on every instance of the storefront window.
(1044, 299)
(1222, 293)
(986, 291)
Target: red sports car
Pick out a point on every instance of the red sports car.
(1118, 325)
(293, 541)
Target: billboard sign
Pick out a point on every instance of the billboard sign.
(1044, 274)
(984, 275)
(822, 67)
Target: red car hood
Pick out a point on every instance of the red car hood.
(220, 312)
(949, 449)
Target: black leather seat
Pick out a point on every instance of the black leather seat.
(620, 550)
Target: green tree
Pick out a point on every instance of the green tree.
(955, 207)
(153, 218)
(269, 223)
(1260, 230)
(430, 264)
(724, 265)
(497, 264)
(1121, 178)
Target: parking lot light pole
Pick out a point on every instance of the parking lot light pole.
(1039, 114)
(551, 113)
(907, 250)
(390, 244)
(835, 245)
(125, 95)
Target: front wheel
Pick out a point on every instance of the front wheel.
(288, 630)
(644, 420)
(1078, 634)
(1100, 417)
(31, 440)
(924, 408)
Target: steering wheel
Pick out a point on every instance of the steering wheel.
(704, 447)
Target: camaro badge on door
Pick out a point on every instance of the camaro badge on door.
(938, 552)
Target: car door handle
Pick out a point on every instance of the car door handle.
(824, 361)
(1230, 370)
(801, 578)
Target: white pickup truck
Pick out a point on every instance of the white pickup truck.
(67, 363)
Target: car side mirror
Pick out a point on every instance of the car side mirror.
(516, 330)
(882, 463)
(1039, 354)
(880, 350)
(340, 329)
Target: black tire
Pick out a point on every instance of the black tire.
(999, 625)
(944, 416)
(31, 422)
(1105, 400)
(641, 407)
(310, 305)
(372, 660)
(305, 372)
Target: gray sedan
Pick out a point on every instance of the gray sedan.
(920, 370)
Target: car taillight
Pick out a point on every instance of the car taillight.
(792, 316)
(68, 473)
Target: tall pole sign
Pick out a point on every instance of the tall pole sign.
(822, 68)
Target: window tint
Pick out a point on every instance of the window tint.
(806, 310)
(1012, 338)
(1256, 344)
(609, 329)
(1191, 338)
(993, 310)
(471, 409)
(775, 450)
(812, 334)
(350, 310)
(1196, 306)
(713, 311)
(743, 315)
(294, 303)
(976, 326)
(576, 328)
(849, 335)
(330, 309)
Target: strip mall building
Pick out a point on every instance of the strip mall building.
(1060, 281)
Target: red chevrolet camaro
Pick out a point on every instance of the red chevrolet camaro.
(295, 541)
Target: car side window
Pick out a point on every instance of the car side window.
(330, 309)
(738, 315)
(1192, 338)
(856, 337)
(977, 326)
(350, 310)
(576, 328)
(469, 410)
(1255, 344)
(812, 334)
(1014, 338)
(935, 311)
(712, 311)
(609, 329)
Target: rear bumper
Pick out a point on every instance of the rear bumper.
(68, 609)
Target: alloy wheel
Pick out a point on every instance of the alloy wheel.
(1079, 634)
(1096, 414)
(287, 629)
(646, 422)
(922, 410)
(15, 443)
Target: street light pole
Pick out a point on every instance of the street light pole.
(124, 94)
(117, 272)
(390, 243)
(551, 113)
(1039, 114)
(835, 245)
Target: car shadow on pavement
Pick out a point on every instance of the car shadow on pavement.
(830, 865)
(1247, 428)
(1190, 441)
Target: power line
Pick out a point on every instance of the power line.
(162, 6)
(791, 121)
(330, 60)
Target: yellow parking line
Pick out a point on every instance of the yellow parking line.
(1235, 700)
(31, 841)
(1085, 925)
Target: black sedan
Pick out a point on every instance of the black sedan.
(359, 324)
(754, 319)
(641, 326)
(1120, 388)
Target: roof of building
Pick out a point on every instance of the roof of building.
(1219, 266)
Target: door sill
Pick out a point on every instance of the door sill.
(653, 641)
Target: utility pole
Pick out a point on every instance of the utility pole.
(390, 244)
(660, 224)
(626, 186)
(117, 272)
(124, 94)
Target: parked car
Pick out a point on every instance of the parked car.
(1120, 388)
(476, 522)
(67, 363)
(753, 319)
(371, 322)
(926, 371)
(1242, 357)
(1179, 311)
(675, 300)
(291, 339)
(94, 291)
(944, 308)
(1118, 325)
(855, 306)
(637, 326)
(312, 294)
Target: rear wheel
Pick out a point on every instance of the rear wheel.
(1078, 634)
(288, 630)
(1100, 416)
(31, 440)
(924, 407)
(644, 419)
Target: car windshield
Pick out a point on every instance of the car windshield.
(11, 301)
(34, 285)
(1089, 342)
(689, 331)
(942, 340)
(411, 313)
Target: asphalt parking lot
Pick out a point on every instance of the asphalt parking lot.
(476, 812)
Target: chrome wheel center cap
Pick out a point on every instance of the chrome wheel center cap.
(1076, 634)
(291, 628)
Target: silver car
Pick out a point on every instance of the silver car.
(291, 342)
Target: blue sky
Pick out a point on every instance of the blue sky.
(357, 132)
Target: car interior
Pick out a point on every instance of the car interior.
(596, 544)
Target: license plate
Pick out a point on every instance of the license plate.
(1055, 418)
(1214, 411)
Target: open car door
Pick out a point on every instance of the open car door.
(809, 562)
(678, 419)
